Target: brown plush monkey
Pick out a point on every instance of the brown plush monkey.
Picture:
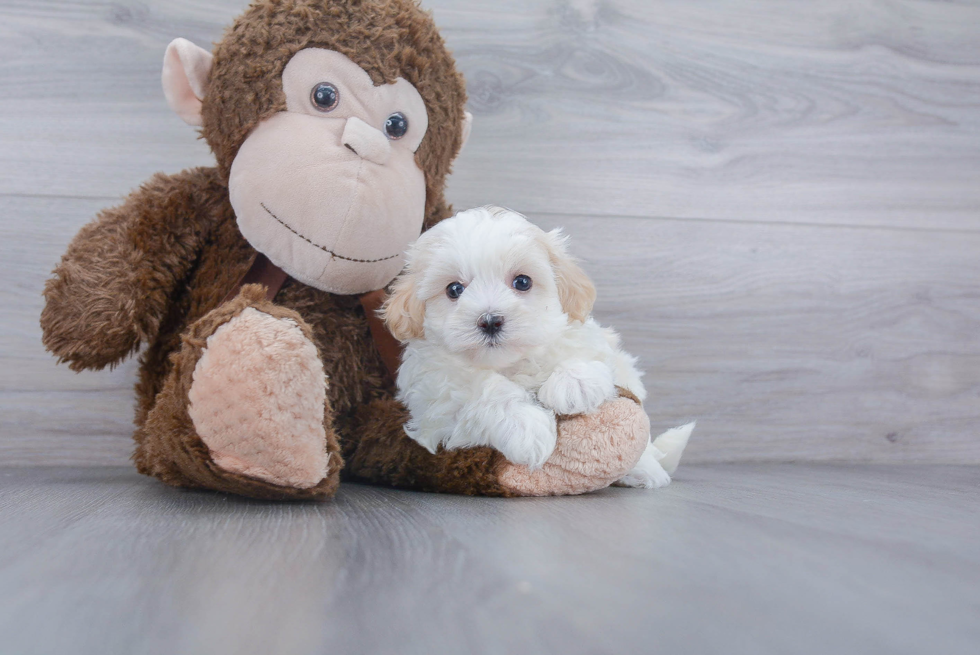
(334, 124)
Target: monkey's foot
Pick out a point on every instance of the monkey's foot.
(257, 401)
(593, 451)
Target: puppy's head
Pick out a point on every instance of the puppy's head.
(488, 284)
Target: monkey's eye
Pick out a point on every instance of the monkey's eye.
(396, 126)
(454, 290)
(521, 283)
(325, 96)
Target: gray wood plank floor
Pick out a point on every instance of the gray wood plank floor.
(730, 558)
(779, 202)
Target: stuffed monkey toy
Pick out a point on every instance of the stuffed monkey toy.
(248, 286)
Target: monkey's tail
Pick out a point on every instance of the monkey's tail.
(670, 446)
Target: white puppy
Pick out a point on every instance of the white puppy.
(495, 314)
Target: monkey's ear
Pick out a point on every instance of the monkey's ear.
(186, 68)
(467, 128)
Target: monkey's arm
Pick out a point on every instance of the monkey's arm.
(114, 283)
(593, 451)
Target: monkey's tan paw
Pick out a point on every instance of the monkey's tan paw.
(257, 400)
(593, 451)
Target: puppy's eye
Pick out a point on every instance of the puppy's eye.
(325, 96)
(521, 283)
(396, 126)
(454, 290)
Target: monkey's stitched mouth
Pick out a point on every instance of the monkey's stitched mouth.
(317, 245)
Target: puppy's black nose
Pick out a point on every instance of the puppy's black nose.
(490, 324)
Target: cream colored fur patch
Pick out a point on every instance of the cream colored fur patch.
(257, 401)
(593, 451)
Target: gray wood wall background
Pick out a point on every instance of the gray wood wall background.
(779, 202)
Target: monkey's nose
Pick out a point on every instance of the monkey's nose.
(490, 324)
(367, 142)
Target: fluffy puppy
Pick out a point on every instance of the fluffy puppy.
(495, 315)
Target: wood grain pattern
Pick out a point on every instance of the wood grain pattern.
(848, 113)
(817, 301)
(857, 113)
(735, 559)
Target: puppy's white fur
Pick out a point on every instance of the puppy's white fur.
(464, 387)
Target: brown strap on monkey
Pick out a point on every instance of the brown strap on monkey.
(261, 272)
(272, 277)
(388, 346)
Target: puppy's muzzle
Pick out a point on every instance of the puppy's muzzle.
(490, 324)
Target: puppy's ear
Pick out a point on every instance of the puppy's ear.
(575, 289)
(403, 312)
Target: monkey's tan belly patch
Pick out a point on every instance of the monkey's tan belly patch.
(257, 401)
(593, 451)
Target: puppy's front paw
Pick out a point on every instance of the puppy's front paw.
(528, 436)
(578, 388)
(648, 473)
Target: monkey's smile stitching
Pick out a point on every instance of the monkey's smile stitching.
(323, 248)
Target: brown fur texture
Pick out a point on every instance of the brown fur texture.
(169, 447)
(473, 471)
(153, 272)
(387, 38)
(125, 272)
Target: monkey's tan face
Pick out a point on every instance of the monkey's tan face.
(329, 189)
